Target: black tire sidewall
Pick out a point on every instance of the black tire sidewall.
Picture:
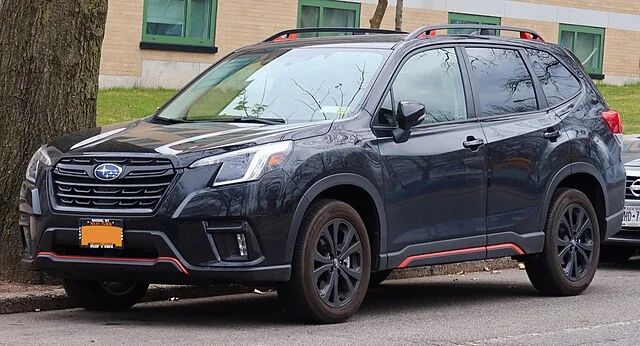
(331, 210)
(563, 199)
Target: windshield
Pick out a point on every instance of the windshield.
(291, 85)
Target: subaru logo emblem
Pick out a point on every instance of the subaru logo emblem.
(107, 171)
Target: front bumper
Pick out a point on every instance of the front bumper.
(189, 239)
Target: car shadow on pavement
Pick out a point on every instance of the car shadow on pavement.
(259, 310)
(631, 265)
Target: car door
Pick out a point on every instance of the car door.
(524, 142)
(434, 183)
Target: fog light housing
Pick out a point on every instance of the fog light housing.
(242, 245)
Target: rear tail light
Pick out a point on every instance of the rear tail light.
(612, 119)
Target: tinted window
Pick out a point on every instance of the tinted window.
(502, 81)
(433, 78)
(557, 82)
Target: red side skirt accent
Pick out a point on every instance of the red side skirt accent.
(118, 259)
(461, 251)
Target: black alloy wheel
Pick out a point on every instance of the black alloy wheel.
(337, 263)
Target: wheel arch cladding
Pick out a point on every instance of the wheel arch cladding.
(585, 178)
(354, 190)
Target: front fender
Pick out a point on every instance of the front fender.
(325, 183)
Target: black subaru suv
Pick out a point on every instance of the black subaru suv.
(323, 163)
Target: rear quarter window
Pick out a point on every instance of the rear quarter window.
(557, 82)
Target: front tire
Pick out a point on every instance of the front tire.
(104, 296)
(331, 264)
(569, 260)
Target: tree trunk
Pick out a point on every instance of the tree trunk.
(378, 15)
(49, 66)
(399, 12)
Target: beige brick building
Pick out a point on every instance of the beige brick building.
(165, 43)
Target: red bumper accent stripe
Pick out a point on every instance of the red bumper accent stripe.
(118, 259)
(514, 247)
(461, 251)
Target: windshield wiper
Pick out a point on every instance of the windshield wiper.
(266, 121)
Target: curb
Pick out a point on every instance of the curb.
(56, 299)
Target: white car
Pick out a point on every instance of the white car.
(626, 243)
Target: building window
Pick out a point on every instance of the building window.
(328, 13)
(587, 43)
(179, 22)
(461, 18)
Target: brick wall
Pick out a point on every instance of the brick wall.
(621, 6)
(239, 23)
(548, 31)
(621, 53)
(243, 22)
(412, 18)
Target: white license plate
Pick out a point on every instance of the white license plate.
(631, 217)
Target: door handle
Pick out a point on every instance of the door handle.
(473, 143)
(552, 134)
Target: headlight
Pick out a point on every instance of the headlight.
(39, 158)
(247, 164)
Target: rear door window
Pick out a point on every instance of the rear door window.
(502, 82)
(557, 82)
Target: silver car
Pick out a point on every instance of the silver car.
(626, 243)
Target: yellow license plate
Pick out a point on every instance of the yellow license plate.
(101, 234)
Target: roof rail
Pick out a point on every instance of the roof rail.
(292, 34)
(482, 28)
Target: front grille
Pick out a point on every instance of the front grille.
(141, 185)
(628, 193)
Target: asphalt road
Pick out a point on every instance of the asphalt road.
(472, 309)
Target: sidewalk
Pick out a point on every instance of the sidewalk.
(16, 298)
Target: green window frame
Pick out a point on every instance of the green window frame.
(592, 61)
(463, 18)
(323, 5)
(184, 39)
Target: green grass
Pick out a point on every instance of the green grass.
(625, 100)
(118, 105)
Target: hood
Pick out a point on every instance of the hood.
(182, 142)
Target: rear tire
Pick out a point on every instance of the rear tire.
(107, 296)
(328, 282)
(572, 246)
(616, 254)
(378, 277)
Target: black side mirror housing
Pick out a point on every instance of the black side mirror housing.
(409, 114)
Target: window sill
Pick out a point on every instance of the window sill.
(596, 76)
(178, 47)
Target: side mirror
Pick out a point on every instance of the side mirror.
(409, 114)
